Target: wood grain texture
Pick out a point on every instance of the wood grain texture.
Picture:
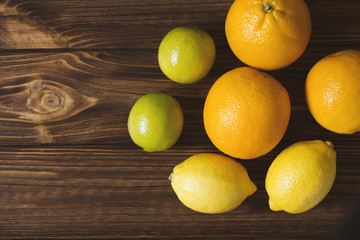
(100, 87)
(108, 192)
(32, 24)
(70, 71)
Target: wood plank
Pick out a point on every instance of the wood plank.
(104, 192)
(84, 97)
(140, 24)
(107, 83)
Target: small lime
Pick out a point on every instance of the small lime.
(155, 122)
(186, 54)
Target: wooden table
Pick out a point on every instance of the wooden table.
(70, 72)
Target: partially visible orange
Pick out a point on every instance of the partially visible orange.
(246, 113)
(333, 92)
(268, 34)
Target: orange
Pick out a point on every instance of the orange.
(333, 92)
(246, 113)
(268, 34)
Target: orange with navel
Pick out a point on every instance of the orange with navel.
(267, 34)
(246, 113)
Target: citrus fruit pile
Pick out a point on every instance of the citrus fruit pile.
(247, 111)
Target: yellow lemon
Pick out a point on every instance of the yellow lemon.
(211, 183)
(301, 176)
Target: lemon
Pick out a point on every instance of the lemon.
(155, 122)
(186, 54)
(301, 176)
(211, 183)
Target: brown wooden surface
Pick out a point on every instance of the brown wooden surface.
(70, 72)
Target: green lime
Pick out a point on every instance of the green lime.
(186, 54)
(155, 122)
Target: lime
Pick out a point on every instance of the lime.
(155, 122)
(186, 54)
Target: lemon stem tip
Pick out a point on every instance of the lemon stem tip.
(330, 144)
(170, 177)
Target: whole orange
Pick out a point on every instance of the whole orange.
(246, 113)
(333, 92)
(267, 34)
